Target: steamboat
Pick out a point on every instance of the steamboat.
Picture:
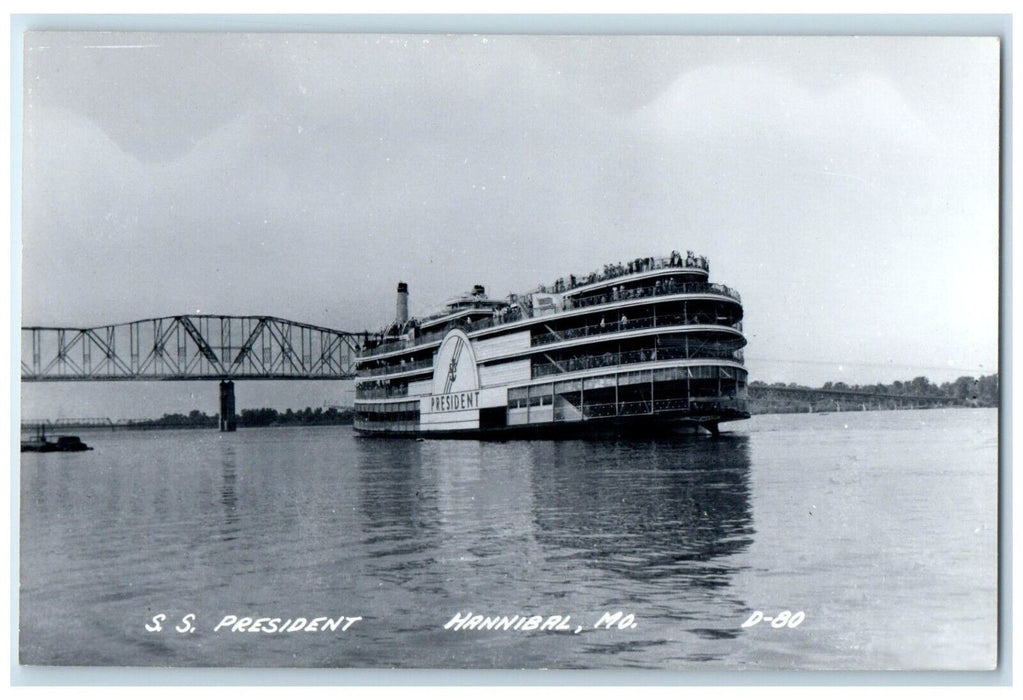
(649, 345)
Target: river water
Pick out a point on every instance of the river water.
(880, 528)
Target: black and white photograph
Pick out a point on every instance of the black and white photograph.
(508, 350)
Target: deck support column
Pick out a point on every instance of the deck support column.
(228, 424)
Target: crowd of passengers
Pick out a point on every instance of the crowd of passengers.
(669, 286)
(623, 322)
(521, 308)
(632, 266)
(608, 359)
(380, 390)
(617, 293)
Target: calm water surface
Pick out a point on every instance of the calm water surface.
(881, 527)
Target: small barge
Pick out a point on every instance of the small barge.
(63, 443)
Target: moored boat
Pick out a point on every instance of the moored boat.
(64, 443)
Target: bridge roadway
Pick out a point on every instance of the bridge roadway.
(191, 347)
(829, 399)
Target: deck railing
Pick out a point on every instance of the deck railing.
(396, 368)
(615, 325)
(655, 290)
(385, 392)
(702, 351)
(631, 267)
(697, 406)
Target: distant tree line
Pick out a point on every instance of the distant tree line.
(261, 417)
(968, 391)
(253, 418)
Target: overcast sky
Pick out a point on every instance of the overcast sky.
(847, 187)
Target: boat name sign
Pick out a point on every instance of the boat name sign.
(461, 401)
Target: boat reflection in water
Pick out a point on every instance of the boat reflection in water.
(655, 528)
(653, 510)
(400, 530)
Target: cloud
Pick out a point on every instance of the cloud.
(303, 175)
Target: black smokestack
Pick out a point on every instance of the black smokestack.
(402, 312)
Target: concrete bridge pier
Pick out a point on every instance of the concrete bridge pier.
(228, 422)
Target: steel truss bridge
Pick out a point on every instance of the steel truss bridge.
(829, 399)
(189, 348)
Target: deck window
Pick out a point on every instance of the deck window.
(565, 387)
(599, 382)
(634, 378)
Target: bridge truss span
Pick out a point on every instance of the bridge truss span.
(189, 347)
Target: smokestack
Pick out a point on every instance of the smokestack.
(402, 315)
